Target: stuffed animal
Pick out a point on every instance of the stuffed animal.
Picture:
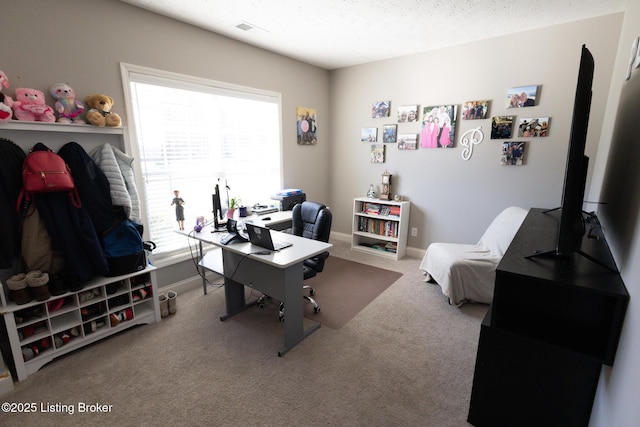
(30, 106)
(100, 113)
(67, 106)
(5, 100)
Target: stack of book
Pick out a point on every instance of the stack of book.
(378, 209)
(386, 247)
(378, 226)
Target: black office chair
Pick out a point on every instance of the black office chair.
(313, 221)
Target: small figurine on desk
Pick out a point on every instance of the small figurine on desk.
(371, 193)
(177, 200)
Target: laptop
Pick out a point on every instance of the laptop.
(261, 236)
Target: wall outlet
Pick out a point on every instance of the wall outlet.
(414, 231)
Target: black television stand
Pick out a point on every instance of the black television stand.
(551, 326)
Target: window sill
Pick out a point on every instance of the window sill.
(167, 260)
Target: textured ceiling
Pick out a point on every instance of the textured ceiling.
(339, 33)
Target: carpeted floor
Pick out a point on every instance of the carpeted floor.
(344, 288)
(406, 359)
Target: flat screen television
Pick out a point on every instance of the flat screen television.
(572, 226)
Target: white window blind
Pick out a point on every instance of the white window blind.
(192, 136)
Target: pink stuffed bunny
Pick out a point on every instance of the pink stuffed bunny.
(5, 100)
(30, 106)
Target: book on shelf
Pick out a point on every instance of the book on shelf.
(378, 226)
(386, 247)
(380, 209)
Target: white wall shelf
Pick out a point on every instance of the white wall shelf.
(59, 127)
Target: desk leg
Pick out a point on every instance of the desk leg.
(283, 283)
(203, 271)
(294, 331)
(234, 299)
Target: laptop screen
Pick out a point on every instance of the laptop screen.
(261, 236)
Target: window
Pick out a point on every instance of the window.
(191, 134)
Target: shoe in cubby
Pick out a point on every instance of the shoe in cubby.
(38, 285)
(19, 289)
(88, 295)
(57, 285)
(118, 300)
(142, 293)
(93, 310)
(93, 326)
(62, 338)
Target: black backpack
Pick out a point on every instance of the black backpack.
(124, 248)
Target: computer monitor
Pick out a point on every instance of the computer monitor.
(288, 202)
(218, 215)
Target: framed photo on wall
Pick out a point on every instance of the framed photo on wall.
(306, 123)
(389, 133)
(381, 109)
(369, 135)
(377, 153)
(407, 141)
(408, 113)
(512, 153)
(522, 96)
(438, 126)
(475, 110)
(502, 127)
(534, 127)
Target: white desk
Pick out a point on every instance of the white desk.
(278, 274)
(280, 220)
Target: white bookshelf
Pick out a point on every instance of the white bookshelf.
(380, 227)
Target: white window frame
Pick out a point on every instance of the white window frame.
(131, 72)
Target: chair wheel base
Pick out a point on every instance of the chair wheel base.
(262, 301)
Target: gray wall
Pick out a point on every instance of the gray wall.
(616, 181)
(84, 41)
(454, 200)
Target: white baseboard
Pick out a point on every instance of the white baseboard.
(412, 252)
(343, 237)
(188, 284)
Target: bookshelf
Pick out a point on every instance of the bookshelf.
(380, 227)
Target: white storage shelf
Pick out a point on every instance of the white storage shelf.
(380, 227)
(83, 318)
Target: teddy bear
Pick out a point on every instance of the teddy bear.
(99, 113)
(67, 106)
(5, 100)
(30, 106)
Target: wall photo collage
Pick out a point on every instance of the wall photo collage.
(438, 124)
